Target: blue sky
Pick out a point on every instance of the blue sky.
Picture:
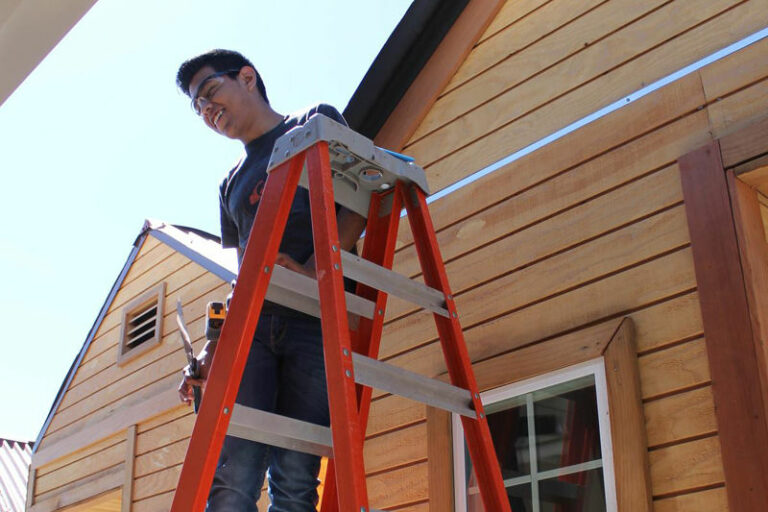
(98, 138)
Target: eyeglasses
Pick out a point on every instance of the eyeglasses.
(205, 96)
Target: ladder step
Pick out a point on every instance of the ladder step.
(398, 381)
(299, 292)
(273, 429)
(393, 283)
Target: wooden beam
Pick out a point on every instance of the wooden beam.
(436, 74)
(745, 144)
(439, 454)
(31, 30)
(130, 462)
(80, 490)
(756, 178)
(142, 409)
(31, 486)
(628, 434)
(731, 352)
(548, 356)
(753, 250)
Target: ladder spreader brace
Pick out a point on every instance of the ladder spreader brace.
(338, 165)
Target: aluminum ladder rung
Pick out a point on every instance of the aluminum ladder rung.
(281, 431)
(300, 292)
(398, 381)
(393, 283)
(276, 430)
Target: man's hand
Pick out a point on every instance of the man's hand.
(204, 360)
(308, 269)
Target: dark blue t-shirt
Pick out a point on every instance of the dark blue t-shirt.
(241, 191)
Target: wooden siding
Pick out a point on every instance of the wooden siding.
(150, 453)
(586, 229)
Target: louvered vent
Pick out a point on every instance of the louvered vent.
(142, 323)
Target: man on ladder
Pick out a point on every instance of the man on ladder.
(285, 370)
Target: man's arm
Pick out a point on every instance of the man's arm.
(350, 225)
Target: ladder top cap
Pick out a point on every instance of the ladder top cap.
(359, 166)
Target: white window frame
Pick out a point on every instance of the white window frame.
(594, 367)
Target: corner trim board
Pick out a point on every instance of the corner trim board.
(739, 408)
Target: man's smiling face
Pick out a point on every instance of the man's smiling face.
(220, 98)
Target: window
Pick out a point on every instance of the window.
(552, 438)
(141, 328)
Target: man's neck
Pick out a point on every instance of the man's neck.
(264, 120)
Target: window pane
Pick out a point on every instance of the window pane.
(567, 430)
(579, 492)
(509, 430)
(519, 499)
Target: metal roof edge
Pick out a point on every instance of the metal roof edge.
(203, 251)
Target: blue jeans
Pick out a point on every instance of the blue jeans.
(285, 374)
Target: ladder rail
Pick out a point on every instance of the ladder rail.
(379, 248)
(477, 433)
(232, 352)
(339, 369)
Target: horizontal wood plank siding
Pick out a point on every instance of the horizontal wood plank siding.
(591, 227)
(101, 389)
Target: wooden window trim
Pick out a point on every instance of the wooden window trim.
(125, 354)
(753, 250)
(614, 342)
(733, 363)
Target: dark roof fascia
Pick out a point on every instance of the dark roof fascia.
(92, 333)
(409, 47)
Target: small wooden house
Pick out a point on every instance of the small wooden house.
(117, 431)
(602, 209)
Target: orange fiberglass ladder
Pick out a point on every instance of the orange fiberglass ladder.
(332, 160)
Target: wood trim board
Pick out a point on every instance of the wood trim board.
(80, 490)
(745, 144)
(740, 412)
(753, 250)
(130, 462)
(142, 409)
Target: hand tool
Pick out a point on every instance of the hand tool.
(193, 369)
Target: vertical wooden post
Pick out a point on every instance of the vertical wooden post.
(628, 433)
(440, 457)
(753, 250)
(733, 362)
(130, 460)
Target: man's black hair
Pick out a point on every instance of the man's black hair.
(219, 60)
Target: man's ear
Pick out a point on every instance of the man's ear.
(248, 77)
